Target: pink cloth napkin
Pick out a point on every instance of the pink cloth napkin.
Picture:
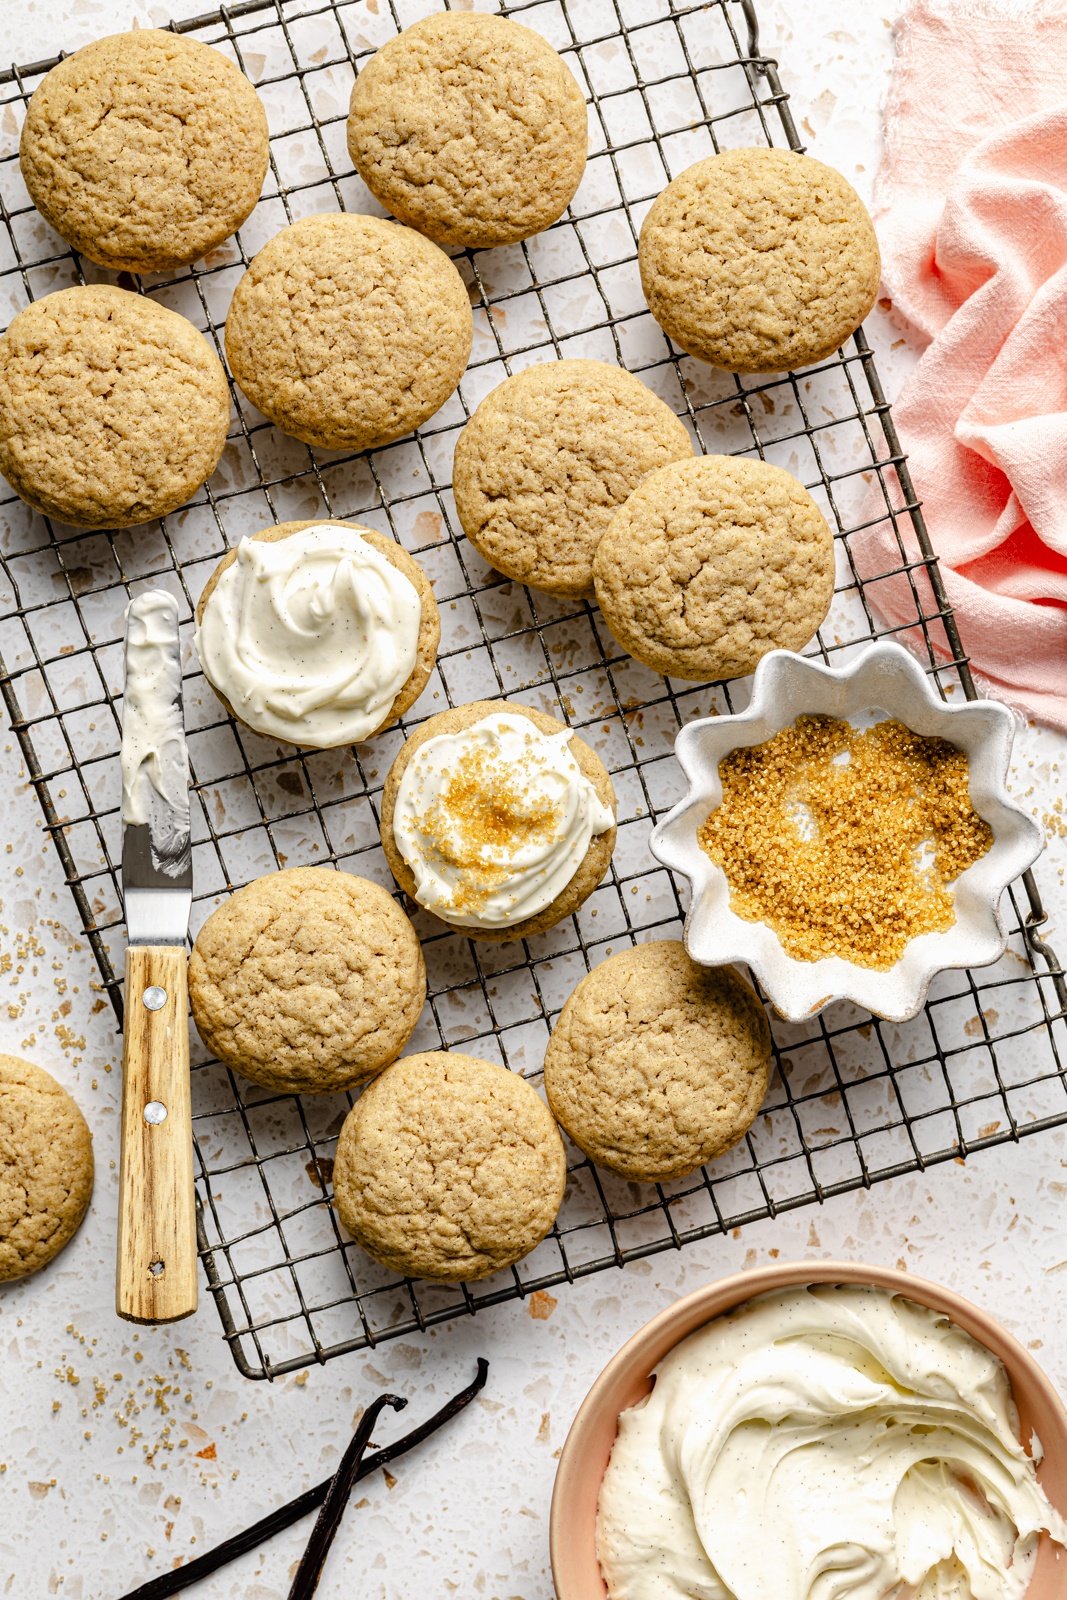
(971, 212)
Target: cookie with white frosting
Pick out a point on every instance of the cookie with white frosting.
(318, 633)
(498, 819)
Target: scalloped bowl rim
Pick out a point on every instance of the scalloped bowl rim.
(786, 686)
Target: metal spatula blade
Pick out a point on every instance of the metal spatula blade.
(157, 868)
(156, 1269)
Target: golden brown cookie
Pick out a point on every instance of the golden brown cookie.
(597, 857)
(759, 260)
(548, 457)
(46, 1168)
(429, 624)
(713, 562)
(657, 1065)
(145, 150)
(113, 410)
(307, 980)
(349, 331)
(449, 1167)
(470, 128)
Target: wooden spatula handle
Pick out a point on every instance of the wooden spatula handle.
(156, 1278)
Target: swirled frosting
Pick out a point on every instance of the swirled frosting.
(494, 820)
(818, 1444)
(310, 638)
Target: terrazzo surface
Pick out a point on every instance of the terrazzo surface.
(124, 1452)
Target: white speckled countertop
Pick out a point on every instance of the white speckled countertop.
(123, 1452)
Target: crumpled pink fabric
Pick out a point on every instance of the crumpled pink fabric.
(971, 214)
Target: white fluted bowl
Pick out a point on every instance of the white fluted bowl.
(884, 679)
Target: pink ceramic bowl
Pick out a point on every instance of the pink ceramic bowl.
(626, 1378)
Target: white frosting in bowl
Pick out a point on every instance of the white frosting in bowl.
(825, 1443)
(494, 820)
(310, 638)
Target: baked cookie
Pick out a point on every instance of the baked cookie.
(46, 1168)
(449, 1167)
(307, 980)
(548, 457)
(113, 410)
(145, 150)
(759, 260)
(325, 646)
(713, 562)
(657, 1065)
(348, 331)
(469, 127)
(497, 819)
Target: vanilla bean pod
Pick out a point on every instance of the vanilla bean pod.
(239, 1544)
(308, 1573)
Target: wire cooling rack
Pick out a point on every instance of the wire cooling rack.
(854, 1100)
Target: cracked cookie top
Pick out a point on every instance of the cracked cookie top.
(145, 150)
(347, 331)
(656, 1065)
(546, 460)
(46, 1168)
(713, 562)
(307, 980)
(113, 409)
(449, 1167)
(759, 260)
(470, 128)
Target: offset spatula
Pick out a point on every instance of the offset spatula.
(156, 1277)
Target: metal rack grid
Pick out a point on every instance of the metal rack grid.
(854, 1100)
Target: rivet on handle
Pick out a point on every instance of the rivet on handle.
(154, 998)
(155, 1112)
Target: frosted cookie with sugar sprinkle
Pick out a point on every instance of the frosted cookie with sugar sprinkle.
(497, 819)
